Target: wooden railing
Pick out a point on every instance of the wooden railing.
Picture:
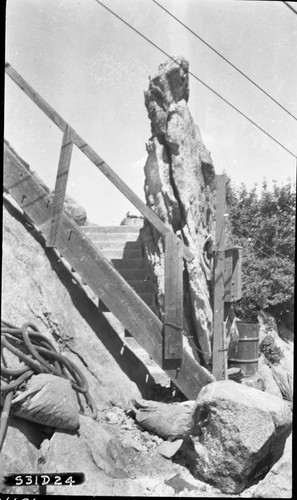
(175, 249)
(92, 155)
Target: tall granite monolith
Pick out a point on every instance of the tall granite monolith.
(179, 187)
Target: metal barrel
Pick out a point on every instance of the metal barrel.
(247, 355)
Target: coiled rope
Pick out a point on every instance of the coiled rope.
(39, 356)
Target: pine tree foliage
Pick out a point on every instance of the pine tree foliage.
(264, 225)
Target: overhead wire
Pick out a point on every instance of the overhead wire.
(290, 7)
(206, 85)
(252, 237)
(281, 289)
(266, 244)
(197, 78)
(225, 59)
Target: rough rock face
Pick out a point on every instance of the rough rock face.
(270, 384)
(108, 470)
(132, 220)
(240, 433)
(282, 371)
(278, 482)
(32, 291)
(20, 452)
(76, 211)
(179, 184)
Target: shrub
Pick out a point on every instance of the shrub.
(270, 350)
(264, 225)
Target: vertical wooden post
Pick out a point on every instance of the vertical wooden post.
(60, 187)
(219, 358)
(173, 324)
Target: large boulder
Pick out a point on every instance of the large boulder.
(238, 434)
(179, 187)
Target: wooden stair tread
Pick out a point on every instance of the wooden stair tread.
(133, 274)
(117, 244)
(114, 238)
(128, 263)
(121, 253)
(111, 229)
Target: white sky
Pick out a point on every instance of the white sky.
(93, 70)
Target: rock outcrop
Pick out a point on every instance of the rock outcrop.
(32, 291)
(240, 434)
(132, 220)
(20, 453)
(278, 355)
(179, 185)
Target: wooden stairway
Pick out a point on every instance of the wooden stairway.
(121, 245)
(110, 263)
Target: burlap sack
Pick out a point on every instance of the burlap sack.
(48, 400)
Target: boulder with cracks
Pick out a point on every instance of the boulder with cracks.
(239, 434)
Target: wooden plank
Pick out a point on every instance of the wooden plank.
(119, 253)
(93, 156)
(118, 244)
(35, 97)
(60, 188)
(173, 323)
(17, 180)
(228, 271)
(232, 274)
(219, 358)
(111, 230)
(103, 279)
(236, 283)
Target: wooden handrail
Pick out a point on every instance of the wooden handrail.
(94, 157)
